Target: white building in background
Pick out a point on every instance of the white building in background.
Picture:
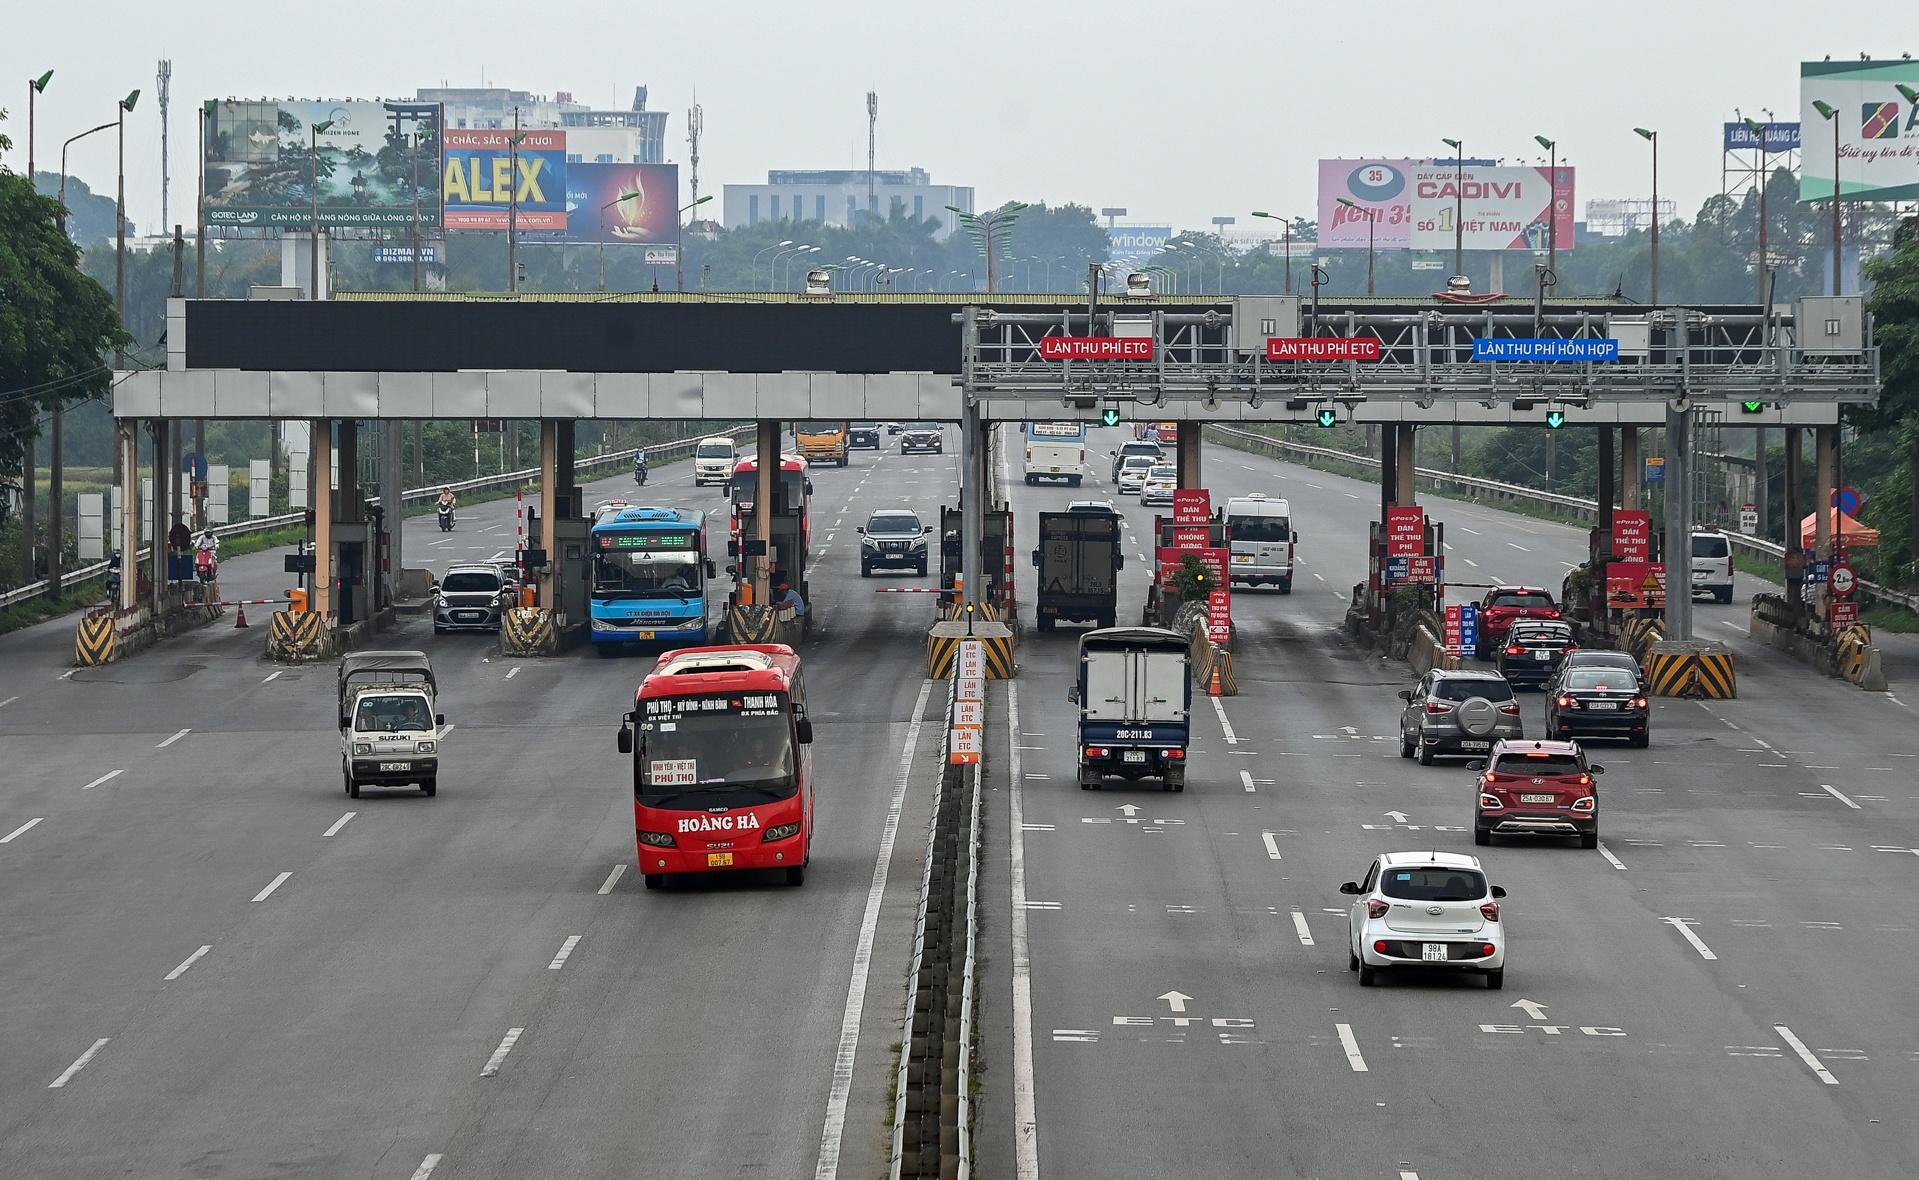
(838, 196)
(634, 136)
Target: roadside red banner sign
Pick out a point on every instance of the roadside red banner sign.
(1215, 561)
(1842, 614)
(1188, 537)
(1192, 505)
(1455, 633)
(1631, 534)
(1315, 348)
(1635, 584)
(1219, 615)
(1405, 530)
(1095, 348)
(1422, 570)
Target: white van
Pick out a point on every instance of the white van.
(1712, 564)
(713, 460)
(1262, 541)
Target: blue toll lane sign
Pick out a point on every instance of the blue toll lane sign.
(1604, 351)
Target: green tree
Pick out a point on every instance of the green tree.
(1894, 304)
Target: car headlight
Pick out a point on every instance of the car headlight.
(657, 839)
(781, 832)
(362, 748)
(427, 747)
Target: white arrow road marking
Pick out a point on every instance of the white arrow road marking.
(1798, 1046)
(1131, 809)
(1683, 925)
(1272, 845)
(492, 1066)
(1353, 1056)
(1836, 793)
(1398, 817)
(79, 1065)
(1176, 1000)
(193, 958)
(1533, 1008)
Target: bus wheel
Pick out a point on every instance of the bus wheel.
(796, 875)
(653, 880)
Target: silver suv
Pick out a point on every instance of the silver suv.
(469, 598)
(1456, 713)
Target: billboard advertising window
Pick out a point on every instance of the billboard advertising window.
(261, 157)
(1413, 204)
(489, 182)
(1878, 130)
(623, 203)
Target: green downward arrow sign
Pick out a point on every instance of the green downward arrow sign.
(1555, 419)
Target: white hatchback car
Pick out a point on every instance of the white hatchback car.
(1132, 473)
(1159, 485)
(1426, 909)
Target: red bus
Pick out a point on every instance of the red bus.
(722, 772)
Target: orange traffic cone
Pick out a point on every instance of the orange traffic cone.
(1213, 687)
(240, 620)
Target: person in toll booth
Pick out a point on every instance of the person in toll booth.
(789, 599)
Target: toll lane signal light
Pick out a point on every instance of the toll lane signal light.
(1109, 416)
(1752, 407)
(1328, 418)
(1555, 419)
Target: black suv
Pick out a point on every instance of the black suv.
(892, 537)
(923, 436)
(864, 436)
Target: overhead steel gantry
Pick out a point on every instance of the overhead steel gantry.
(1791, 367)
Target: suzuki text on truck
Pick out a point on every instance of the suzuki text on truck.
(722, 770)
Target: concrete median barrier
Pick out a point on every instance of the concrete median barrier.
(942, 648)
(528, 631)
(297, 636)
(1699, 669)
(1858, 660)
(94, 641)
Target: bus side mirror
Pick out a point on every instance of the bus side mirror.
(1119, 560)
(439, 720)
(1035, 559)
(804, 729)
(726, 492)
(626, 740)
(343, 721)
(1295, 536)
(809, 487)
(1072, 694)
(712, 572)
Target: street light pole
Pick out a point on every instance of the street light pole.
(1830, 113)
(1459, 205)
(1371, 221)
(753, 272)
(313, 157)
(34, 87)
(1552, 201)
(120, 248)
(679, 247)
(1759, 133)
(1652, 137)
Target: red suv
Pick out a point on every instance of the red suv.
(1537, 788)
(1501, 607)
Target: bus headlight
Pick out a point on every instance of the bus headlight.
(781, 832)
(657, 839)
(603, 625)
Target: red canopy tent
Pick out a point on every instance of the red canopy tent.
(1843, 527)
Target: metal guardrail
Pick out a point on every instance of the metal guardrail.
(80, 575)
(1496, 489)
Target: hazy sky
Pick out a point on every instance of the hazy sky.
(1179, 112)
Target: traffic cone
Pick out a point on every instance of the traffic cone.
(240, 620)
(1213, 688)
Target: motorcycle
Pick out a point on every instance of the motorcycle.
(446, 518)
(639, 475)
(206, 566)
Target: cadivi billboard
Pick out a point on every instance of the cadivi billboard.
(1878, 130)
(1414, 203)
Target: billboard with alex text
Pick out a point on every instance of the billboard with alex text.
(1414, 204)
(487, 181)
(374, 162)
(622, 203)
(1878, 130)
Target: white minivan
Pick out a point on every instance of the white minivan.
(713, 460)
(1262, 541)
(1712, 564)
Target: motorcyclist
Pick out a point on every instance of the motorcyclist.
(445, 507)
(639, 465)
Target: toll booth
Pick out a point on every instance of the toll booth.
(789, 532)
(996, 558)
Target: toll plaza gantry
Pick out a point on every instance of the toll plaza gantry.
(560, 359)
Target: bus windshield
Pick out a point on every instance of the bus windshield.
(787, 497)
(646, 574)
(1269, 529)
(714, 751)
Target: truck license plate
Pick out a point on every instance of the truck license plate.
(386, 766)
(1433, 952)
(719, 860)
(1133, 756)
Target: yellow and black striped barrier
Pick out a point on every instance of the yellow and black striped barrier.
(1698, 669)
(94, 642)
(1639, 634)
(942, 648)
(294, 636)
(1858, 660)
(527, 631)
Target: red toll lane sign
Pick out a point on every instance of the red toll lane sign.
(1095, 348)
(1192, 505)
(1405, 530)
(1843, 614)
(1315, 348)
(1219, 616)
(1188, 537)
(1631, 535)
(1215, 561)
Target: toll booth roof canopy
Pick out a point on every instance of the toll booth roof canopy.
(1132, 639)
(385, 666)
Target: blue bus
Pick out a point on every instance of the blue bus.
(650, 572)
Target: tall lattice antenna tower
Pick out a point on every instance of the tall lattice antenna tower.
(872, 123)
(695, 123)
(164, 84)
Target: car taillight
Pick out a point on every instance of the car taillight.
(1585, 780)
(1174, 754)
(1438, 707)
(1490, 802)
(1491, 910)
(1376, 908)
(1564, 702)
(1097, 751)
(1515, 650)
(1639, 702)
(1571, 647)
(1379, 947)
(1510, 708)
(1487, 950)
(1586, 804)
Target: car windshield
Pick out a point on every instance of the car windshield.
(1537, 764)
(866, 426)
(1465, 689)
(895, 524)
(932, 426)
(392, 715)
(1710, 546)
(1161, 471)
(1523, 598)
(471, 582)
(1137, 463)
(715, 758)
(716, 450)
(1601, 680)
(1260, 528)
(1437, 883)
(642, 573)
